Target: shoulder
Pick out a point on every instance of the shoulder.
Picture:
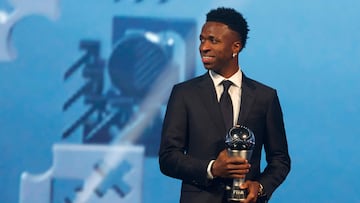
(194, 82)
(258, 88)
(254, 84)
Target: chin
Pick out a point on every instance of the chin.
(208, 67)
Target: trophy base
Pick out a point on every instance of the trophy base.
(236, 195)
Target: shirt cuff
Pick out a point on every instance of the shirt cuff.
(209, 174)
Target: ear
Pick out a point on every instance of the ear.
(237, 46)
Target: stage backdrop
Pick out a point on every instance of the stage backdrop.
(84, 85)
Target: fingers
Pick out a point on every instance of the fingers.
(230, 170)
(253, 189)
(237, 170)
(237, 174)
(243, 165)
(230, 167)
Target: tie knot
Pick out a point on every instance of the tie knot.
(226, 84)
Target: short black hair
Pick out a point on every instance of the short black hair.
(232, 18)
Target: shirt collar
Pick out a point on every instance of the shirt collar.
(235, 79)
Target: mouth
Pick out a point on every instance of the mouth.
(207, 59)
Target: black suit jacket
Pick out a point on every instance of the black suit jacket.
(193, 134)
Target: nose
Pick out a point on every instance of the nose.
(204, 46)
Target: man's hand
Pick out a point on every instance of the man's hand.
(229, 167)
(253, 190)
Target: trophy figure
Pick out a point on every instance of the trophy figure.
(240, 141)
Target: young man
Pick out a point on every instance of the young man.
(193, 136)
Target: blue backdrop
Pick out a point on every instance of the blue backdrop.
(308, 50)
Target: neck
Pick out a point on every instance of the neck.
(230, 72)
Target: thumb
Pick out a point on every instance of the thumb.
(244, 185)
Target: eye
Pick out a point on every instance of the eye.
(214, 41)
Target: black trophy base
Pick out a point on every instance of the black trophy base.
(236, 195)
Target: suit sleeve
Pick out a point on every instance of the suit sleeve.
(276, 148)
(173, 159)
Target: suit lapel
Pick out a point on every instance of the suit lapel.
(207, 94)
(247, 98)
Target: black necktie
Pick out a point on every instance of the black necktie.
(226, 105)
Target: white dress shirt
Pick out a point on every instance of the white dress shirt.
(234, 90)
(235, 94)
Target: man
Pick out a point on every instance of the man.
(193, 137)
